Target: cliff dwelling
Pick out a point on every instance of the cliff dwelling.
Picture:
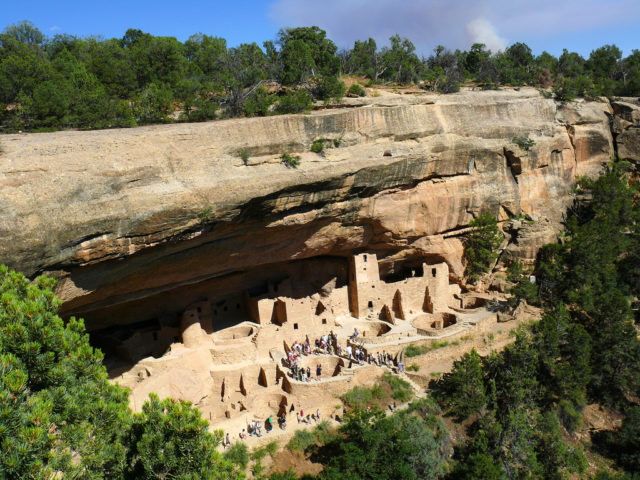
(230, 284)
(290, 341)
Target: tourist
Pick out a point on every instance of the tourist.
(243, 434)
(318, 370)
(400, 367)
(308, 374)
(298, 416)
(355, 333)
(318, 414)
(349, 351)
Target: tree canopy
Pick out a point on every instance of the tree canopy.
(49, 83)
(59, 414)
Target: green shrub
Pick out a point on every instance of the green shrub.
(317, 146)
(360, 397)
(259, 104)
(238, 454)
(545, 93)
(259, 453)
(243, 153)
(376, 391)
(570, 417)
(425, 406)
(294, 102)
(481, 245)
(567, 89)
(257, 469)
(324, 433)
(415, 350)
(357, 90)
(154, 104)
(524, 142)
(462, 390)
(329, 87)
(357, 397)
(290, 161)
(202, 109)
(205, 214)
(188, 448)
(413, 367)
(301, 440)
(523, 288)
(271, 448)
(400, 389)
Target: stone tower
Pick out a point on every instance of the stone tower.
(363, 272)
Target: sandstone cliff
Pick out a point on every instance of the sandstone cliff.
(130, 216)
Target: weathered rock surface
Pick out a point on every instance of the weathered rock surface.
(127, 215)
(527, 238)
(626, 127)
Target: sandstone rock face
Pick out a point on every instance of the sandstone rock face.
(125, 217)
(527, 238)
(626, 127)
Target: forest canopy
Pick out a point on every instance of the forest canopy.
(63, 81)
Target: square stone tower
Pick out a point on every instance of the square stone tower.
(363, 274)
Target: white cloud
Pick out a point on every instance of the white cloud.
(480, 30)
(55, 28)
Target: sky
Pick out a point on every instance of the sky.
(551, 25)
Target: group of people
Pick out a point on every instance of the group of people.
(254, 428)
(327, 344)
(310, 416)
(304, 375)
